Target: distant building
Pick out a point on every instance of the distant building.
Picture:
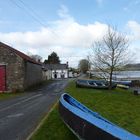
(56, 71)
(17, 70)
(73, 74)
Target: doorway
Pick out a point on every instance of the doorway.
(2, 77)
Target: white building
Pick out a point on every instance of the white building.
(56, 71)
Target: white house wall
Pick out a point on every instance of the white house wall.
(59, 73)
(47, 75)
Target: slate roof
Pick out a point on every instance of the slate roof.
(56, 66)
(22, 55)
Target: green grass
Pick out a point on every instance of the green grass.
(18, 93)
(53, 128)
(119, 106)
(4, 96)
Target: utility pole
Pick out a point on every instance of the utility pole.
(88, 66)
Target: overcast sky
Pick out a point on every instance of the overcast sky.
(68, 27)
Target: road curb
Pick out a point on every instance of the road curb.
(42, 121)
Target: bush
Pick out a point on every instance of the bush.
(135, 83)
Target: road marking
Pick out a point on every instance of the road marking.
(15, 115)
(32, 97)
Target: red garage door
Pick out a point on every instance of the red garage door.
(2, 78)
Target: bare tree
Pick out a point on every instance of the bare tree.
(36, 57)
(111, 53)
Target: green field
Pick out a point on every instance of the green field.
(119, 106)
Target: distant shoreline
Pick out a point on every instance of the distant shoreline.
(120, 75)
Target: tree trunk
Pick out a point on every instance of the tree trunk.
(110, 80)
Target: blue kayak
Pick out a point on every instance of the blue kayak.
(89, 125)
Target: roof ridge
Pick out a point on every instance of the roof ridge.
(19, 53)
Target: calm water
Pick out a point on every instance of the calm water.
(127, 74)
(130, 75)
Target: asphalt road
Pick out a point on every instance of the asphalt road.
(19, 116)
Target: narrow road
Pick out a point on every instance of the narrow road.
(20, 115)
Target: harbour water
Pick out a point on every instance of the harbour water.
(127, 75)
(120, 75)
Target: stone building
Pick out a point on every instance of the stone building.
(17, 70)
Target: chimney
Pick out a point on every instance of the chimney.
(67, 64)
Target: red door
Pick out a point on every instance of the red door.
(2, 78)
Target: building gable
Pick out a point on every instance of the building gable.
(22, 55)
(56, 66)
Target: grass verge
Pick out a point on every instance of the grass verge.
(119, 106)
(53, 128)
(32, 88)
(4, 96)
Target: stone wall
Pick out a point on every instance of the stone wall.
(33, 74)
(14, 69)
